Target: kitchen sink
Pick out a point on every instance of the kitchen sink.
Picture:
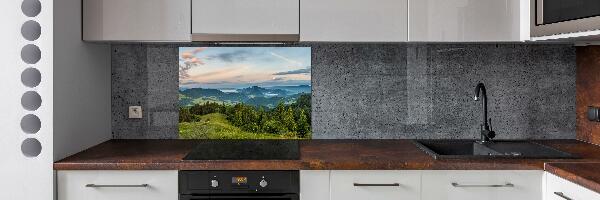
(469, 149)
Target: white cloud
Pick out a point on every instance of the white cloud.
(291, 61)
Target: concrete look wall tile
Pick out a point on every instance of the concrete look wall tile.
(384, 91)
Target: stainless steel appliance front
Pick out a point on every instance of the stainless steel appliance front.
(552, 17)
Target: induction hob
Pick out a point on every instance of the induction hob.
(245, 150)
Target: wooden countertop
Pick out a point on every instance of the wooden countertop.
(584, 174)
(331, 155)
(314, 155)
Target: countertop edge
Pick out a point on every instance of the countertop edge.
(571, 176)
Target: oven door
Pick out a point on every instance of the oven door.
(551, 17)
(240, 197)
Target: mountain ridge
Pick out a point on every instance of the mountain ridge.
(254, 95)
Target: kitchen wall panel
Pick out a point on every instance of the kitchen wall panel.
(82, 81)
(376, 91)
(27, 105)
(588, 81)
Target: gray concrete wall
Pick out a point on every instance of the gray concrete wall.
(364, 91)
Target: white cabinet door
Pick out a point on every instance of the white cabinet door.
(468, 21)
(136, 20)
(314, 185)
(560, 189)
(215, 19)
(482, 185)
(375, 185)
(117, 185)
(354, 20)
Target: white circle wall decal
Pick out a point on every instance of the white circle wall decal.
(31, 124)
(31, 30)
(31, 8)
(31, 147)
(31, 54)
(31, 100)
(31, 77)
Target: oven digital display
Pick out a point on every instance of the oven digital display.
(239, 180)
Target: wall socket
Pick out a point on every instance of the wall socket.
(135, 112)
(593, 114)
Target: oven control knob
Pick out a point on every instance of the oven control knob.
(263, 183)
(214, 183)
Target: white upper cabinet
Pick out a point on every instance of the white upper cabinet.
(468, 20)
(245, 20)
(307, 20)
(354, 20)
(136, 20)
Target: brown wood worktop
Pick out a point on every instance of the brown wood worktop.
(584, 174)
(314, 155)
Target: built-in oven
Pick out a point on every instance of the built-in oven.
(238, 185)
(552, 17)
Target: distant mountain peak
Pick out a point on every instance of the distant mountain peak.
(253, 95)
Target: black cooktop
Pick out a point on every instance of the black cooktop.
(245, 150)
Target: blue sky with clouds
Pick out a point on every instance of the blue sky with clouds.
(239, 67)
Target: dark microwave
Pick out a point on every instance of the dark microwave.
(552, 17)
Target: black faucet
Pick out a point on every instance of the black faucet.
(487, 134)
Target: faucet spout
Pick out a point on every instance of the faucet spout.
(486, 133)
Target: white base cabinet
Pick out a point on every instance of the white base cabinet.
(341, 185)
(421, 185)
(314, 184)
(482, 185)
(375, 185)
(560, 189)
(117, 185)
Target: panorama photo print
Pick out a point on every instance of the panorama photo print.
(244, 92)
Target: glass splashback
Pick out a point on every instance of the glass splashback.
(244, 92)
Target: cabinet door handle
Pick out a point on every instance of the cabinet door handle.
(115, 186)
(562, 195)
(492, 185)
(376, 184)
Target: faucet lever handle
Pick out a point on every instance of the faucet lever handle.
(492, 133)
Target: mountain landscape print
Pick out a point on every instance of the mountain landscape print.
(245, 93)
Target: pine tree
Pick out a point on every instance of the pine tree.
(303, 125)
(185, 115)
(288, 120)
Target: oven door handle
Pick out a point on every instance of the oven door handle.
(285, 196)
(255, 197)
(376, 184)
(189, 197)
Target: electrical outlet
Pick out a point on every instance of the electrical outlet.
(135, 112)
